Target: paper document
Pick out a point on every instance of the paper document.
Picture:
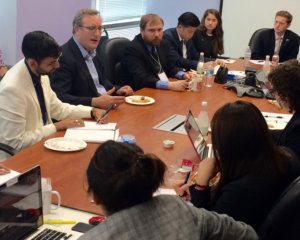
(276, 120)
(258, 62)
(93, 132)
(7, 177)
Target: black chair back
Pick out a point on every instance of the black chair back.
(283, 222)
(111, 55)
(254, 37)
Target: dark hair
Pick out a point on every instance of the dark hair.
(152, 18)
(285, 14)
(243, 145)
(121, 175)
(188, 19)
(285, 80)
(217, 42)
(38, 45)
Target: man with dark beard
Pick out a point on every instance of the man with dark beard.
(145, 61)
(28, 103)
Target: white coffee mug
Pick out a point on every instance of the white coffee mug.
(47, 195)
(195, 84)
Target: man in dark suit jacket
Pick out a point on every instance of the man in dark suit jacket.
(277, 40)
(145, 62)
(285, 80)
(80, 78)
(182, 50)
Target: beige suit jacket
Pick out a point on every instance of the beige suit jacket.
(21, 123)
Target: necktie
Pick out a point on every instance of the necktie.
(40, 95)
(154, 53)
(184, 50)
(277, 46)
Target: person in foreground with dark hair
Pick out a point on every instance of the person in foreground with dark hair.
(253, 170)
(209, 37)
(28, 103)
(182, 50)
(285, 81)
(122, 180)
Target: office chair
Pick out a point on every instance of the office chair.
(8, 149)
(103, 39)
(283, 222)
(254, 37)
(113, 50)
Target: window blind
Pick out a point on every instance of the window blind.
(120, 10)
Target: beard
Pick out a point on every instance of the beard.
(152, 42)
(41, 71)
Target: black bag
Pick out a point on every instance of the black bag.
(221, 76)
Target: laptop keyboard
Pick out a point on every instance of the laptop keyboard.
(49, 234)
(207, 152)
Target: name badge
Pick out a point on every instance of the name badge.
(162, 76)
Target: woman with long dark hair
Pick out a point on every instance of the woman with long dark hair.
(209, 37)
(253, 170)
(122, 180)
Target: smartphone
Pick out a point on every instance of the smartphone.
(82, 227)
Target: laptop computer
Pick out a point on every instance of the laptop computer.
(203, 150)
(262, 81)
(21, 209)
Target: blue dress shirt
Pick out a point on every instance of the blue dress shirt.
(88, 57)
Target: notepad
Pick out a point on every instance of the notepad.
(93, 132)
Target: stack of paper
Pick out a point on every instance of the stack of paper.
(93, 132)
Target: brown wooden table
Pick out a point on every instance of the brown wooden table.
(67, 170)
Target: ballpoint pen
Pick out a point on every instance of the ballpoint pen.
(58, 222)
(186, 178)
(106, 112)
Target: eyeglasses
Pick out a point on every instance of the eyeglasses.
(92, 28)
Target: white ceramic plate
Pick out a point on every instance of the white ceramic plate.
(65, 144)
(136, 100)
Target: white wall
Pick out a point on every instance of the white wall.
(241, 18)
(8, 26)
(170, 10)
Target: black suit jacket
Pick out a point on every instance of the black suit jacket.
(290, 135)
(72, 81)
(175, 52)
(265, 44)
(138, 68)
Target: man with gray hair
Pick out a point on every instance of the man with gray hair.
(80, 78)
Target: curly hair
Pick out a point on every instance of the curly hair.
(285, 80)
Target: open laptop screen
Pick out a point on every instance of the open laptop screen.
(21, 205)
(194, 134)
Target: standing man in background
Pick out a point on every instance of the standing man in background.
(278, 40)
(80, 78)
(145, 62)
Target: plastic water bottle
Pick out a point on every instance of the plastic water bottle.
(203, 120)
(266, 67)
(200, 66)
(247, 56)
(209, 75)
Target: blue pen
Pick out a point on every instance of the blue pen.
(107, 111)
(186, 178)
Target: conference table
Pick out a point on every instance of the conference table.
(67, 169)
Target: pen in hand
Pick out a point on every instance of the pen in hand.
(186, 178)
(106, 112)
